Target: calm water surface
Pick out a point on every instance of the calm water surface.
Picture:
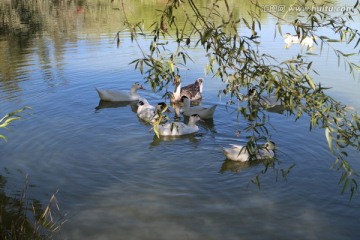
(116, 181)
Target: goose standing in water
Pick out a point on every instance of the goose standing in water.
(179, 128)
(192, 91)
(149, 113)
(241, 154)
(204, 113)
(120, 96)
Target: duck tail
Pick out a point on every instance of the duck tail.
(212, 109)
(101, 95)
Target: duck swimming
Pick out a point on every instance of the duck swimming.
(121, 96)
(192, 91)
(241, 154)
(266, 102)
(179, 128)
(204, 113)
(294, 39)
(149, 113)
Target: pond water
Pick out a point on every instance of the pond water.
(116, 180)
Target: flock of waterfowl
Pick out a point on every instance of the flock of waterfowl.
(183, 96)
(186, 95)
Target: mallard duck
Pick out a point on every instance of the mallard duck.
(179, 128)
(241, 154)
(192, 91)
(121, 96)
(150, 113)
(204, 113)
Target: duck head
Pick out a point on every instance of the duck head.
(194, 118)
(177, 80)
(136, 86)
(200, 82)
(269, 145)
(162, 107)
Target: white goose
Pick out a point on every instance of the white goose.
(121, 96)
(149, 113)
(179, 128)
(240, 153)
(204, 113)
(192, 91)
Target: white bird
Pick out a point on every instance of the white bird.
(179, 128)
(121, 96)
(294, 39)
(241, 154)
(266, 102)
(307, 42)
(192, 91)
(150, 113)
(204, 113)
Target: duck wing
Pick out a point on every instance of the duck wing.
(204, 113)
(176, 129)
(192, 91)
(113, 95)
(146, 113)
(236, 153)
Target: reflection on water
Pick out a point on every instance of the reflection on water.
(106, 104)
(116, 178)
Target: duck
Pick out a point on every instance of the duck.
(120, 96)
(192, 91)
(266, 102)
(179, 128)
(294, 39)
(240, 153)
(308, 42)
(204, 113)
(149, 113)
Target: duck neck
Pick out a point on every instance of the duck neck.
(133, 90)
(186, 104)
(201, 87)
(177, 92)
(192, 122)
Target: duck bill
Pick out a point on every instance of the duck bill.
(142, 87)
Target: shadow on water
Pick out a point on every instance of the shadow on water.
(193, 138)
(105, 104)
(235, 166)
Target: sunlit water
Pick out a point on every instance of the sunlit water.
(117, 181)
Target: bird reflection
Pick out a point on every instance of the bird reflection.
(235, 166)
(193, 138)
(106, 104)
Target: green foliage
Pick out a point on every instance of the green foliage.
(8, 118)
(236, 59)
